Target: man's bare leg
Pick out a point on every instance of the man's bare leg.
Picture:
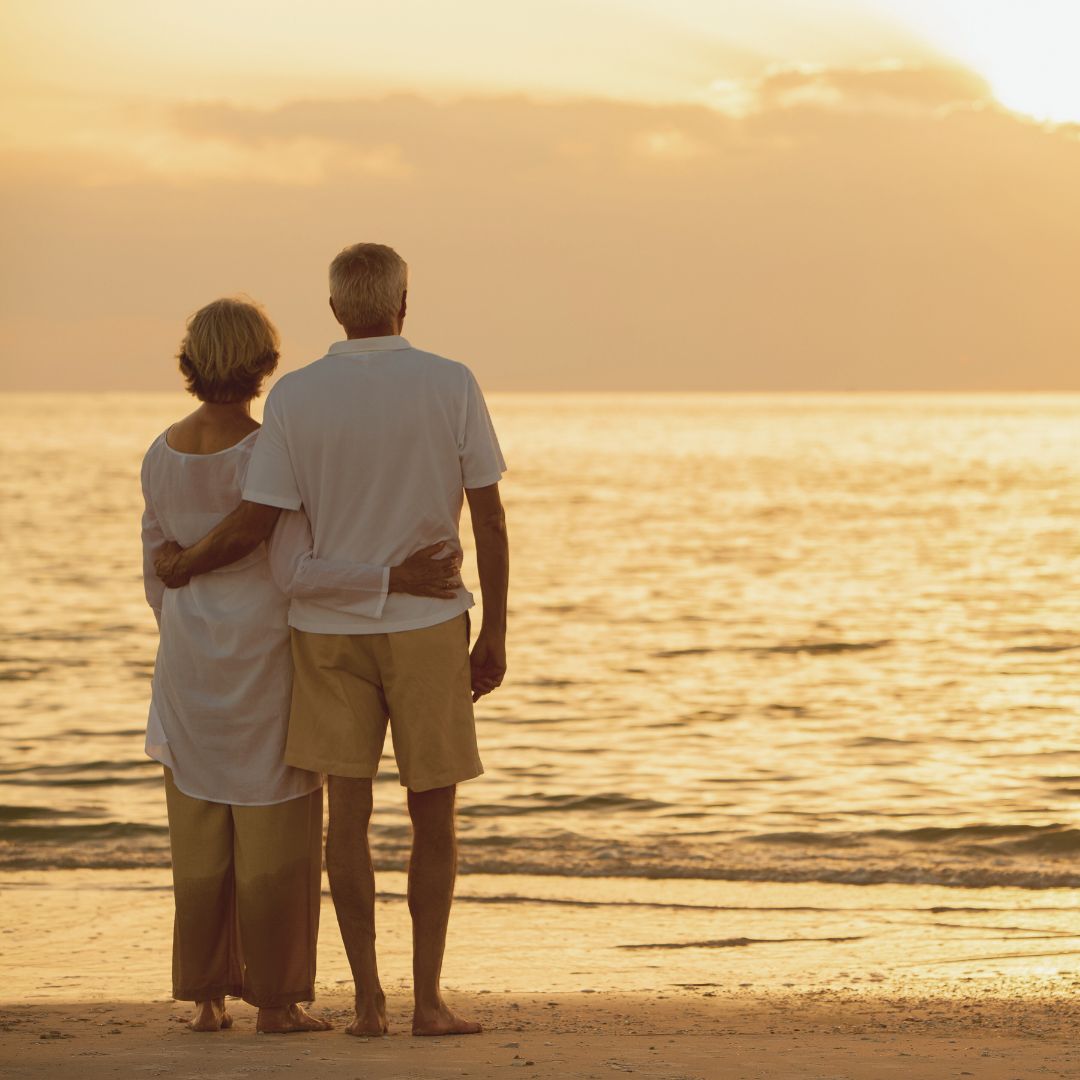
(210, 1016)
(352, 885)
(432, 871)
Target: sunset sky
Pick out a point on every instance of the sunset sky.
(598, 194)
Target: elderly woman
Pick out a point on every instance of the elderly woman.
(245, 828)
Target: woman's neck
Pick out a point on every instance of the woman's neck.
(215, 412)
(212, 427)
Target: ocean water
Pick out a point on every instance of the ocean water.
(787, 638)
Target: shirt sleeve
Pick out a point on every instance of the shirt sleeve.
(300, 575)
(482, 461)
(271, 479)
(153, 537)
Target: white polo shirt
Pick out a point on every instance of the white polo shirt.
(377, 441)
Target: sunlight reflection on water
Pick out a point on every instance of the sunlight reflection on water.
(776, 637)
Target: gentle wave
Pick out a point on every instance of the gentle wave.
(1054, 839)
(1051, 839)
(808, 648)
(732, 943)
(24, 813)
(88, 774)
(145, 856)
(1040, 858)
(1041, 648)
(544, 804)
(79, 768)
(80, 832)
(818, 648)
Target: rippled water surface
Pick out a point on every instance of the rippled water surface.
(783, 637)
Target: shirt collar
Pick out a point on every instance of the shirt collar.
(369, 344)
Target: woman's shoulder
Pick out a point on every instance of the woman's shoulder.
(179, 442)
(154, 449)
(163, 460)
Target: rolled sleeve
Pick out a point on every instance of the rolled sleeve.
(271, 479)
(482, 462)
(301, 576)
(153, 537)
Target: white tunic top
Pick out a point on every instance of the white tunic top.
(377, 441)
(219, 709)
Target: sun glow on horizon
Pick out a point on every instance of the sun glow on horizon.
(1025, 51)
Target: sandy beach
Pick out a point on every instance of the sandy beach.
(685, 1039)
(590, 978)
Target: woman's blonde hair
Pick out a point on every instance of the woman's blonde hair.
(229, 348)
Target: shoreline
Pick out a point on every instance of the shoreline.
(68, 933)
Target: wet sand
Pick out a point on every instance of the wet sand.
(581, 978)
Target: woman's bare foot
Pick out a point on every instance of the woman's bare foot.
(210, 1016)
(288, 1018)
(370, 1017)
(442, 1021)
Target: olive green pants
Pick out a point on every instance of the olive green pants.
(247, 882)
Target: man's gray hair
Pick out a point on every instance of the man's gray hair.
(367, 284)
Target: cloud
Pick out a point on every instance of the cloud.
(318, 142)
(516, 134)
(883, 87)
(864, 228)
(170, 156)
(508, 133)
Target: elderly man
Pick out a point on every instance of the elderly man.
(378, 441)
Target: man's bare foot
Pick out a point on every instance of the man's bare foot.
(370, 1017)
(442, 1021)
(288, 1018)
(210, 1016)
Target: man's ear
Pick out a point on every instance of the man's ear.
(404, 305)
(333, 309)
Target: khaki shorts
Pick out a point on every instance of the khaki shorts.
(346, 686)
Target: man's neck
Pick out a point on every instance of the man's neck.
(378, 330)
